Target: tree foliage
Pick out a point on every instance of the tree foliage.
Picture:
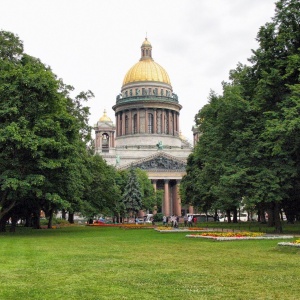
(43, 135)
(132, 196)
(249, 145)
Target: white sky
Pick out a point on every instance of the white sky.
(91, 44)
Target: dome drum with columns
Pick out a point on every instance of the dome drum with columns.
(147, 133)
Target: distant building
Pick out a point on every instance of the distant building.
(146, 133)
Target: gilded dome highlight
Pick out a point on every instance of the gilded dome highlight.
(105, 118)
(146, 69)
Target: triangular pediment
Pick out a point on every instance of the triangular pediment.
(159, 162)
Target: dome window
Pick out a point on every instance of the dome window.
(135, 123)
(150, 123)
(126, 125)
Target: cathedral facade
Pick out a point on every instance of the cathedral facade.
(146, 133)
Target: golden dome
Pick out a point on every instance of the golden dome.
(146, 43)
(146, 69)
(105, 118)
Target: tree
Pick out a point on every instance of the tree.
(249, 145)
(102, 194)
(147, 190)
(42, 136)
(132, 197)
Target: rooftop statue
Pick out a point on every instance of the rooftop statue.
(159, 145)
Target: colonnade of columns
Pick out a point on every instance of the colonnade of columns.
(147, 120)
(171, 203)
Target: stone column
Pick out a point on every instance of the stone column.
(112, 136)
(163, 121)
(123, 124)
(154, 182)
(191, 209)
(177, 122)
(166, 198)
(138, 120)
(146, 120)
(117, 122)
(97, 146)
(154, 121)
(169, 122)
(173, 123)
(177, 200)
(130, 122)
(100, 140)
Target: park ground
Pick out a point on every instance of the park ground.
(82, 262)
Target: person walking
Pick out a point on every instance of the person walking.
(164, 220)
(185, 220)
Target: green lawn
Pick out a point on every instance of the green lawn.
(112, 263)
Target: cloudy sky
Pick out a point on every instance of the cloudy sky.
(91, 44)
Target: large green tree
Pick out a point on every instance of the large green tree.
(43, 133)
(249, 144)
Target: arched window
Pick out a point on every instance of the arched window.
(150, 123)
(105, 142)
(126, 125)
(135, 124)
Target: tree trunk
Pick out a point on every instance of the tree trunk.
(3, 222)
(262, 217)
(63, 214)
(50, 219)
(28, 220)
(71, 218)
(270, 212)
(5, 209)
(228, 216)
(14, 220)
(277, 223)
(235, 214)
(36, 221)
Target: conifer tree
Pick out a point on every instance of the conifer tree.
(132, 196)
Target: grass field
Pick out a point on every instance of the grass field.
(112, 263)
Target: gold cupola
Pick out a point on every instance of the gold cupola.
(105, 118)
(146, 69)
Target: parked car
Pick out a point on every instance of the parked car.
(202, 217)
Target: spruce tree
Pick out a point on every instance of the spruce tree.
(132, 196)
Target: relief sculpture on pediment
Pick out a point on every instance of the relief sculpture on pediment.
(161, 163)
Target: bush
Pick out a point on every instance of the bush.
(158, 217)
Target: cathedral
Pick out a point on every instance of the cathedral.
(146, 132)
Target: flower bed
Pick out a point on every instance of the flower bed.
(124, 226)
(232, 236)
(135, 226)
(172, 229)
(292, 244)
